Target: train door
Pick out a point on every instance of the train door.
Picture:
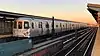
(66, 26)
(40, 28)
(61, 26)
(35, 29)
(57, 27)
(32, 29)
(17, 28)
(50, 27)
(47, 28)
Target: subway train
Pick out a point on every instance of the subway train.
(32, 27)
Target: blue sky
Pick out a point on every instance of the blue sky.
(75, 10)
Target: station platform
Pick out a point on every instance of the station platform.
(96, 47)
(3, 36)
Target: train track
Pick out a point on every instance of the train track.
(70, 33)
(79, 49)
(77, 46)
(90, 46)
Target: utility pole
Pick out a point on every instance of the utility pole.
(53, 31)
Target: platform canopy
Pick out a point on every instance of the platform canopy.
(94, 9)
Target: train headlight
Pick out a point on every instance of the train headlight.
(26, 33)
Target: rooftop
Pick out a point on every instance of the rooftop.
(93, 5)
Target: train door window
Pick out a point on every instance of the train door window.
(19, 25)
(32, 25)
(66, 25)
(60, 24)
(63, 25)
(15, 24)
(72, 24)
(47, 25)
(40, 24)
(26, 25)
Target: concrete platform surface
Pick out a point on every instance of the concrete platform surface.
(2, 36)
(96, 47)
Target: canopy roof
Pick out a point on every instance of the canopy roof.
(94, 9)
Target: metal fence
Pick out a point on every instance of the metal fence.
(6, 27)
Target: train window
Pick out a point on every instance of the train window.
(26, 25)
(56, 25)
(47, 25)
(19, 25)
(15, 24)
(32, 25)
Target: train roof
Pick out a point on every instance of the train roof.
(48, 18)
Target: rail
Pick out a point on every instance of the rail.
(70, 43)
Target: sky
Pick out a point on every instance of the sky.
(74, 10)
